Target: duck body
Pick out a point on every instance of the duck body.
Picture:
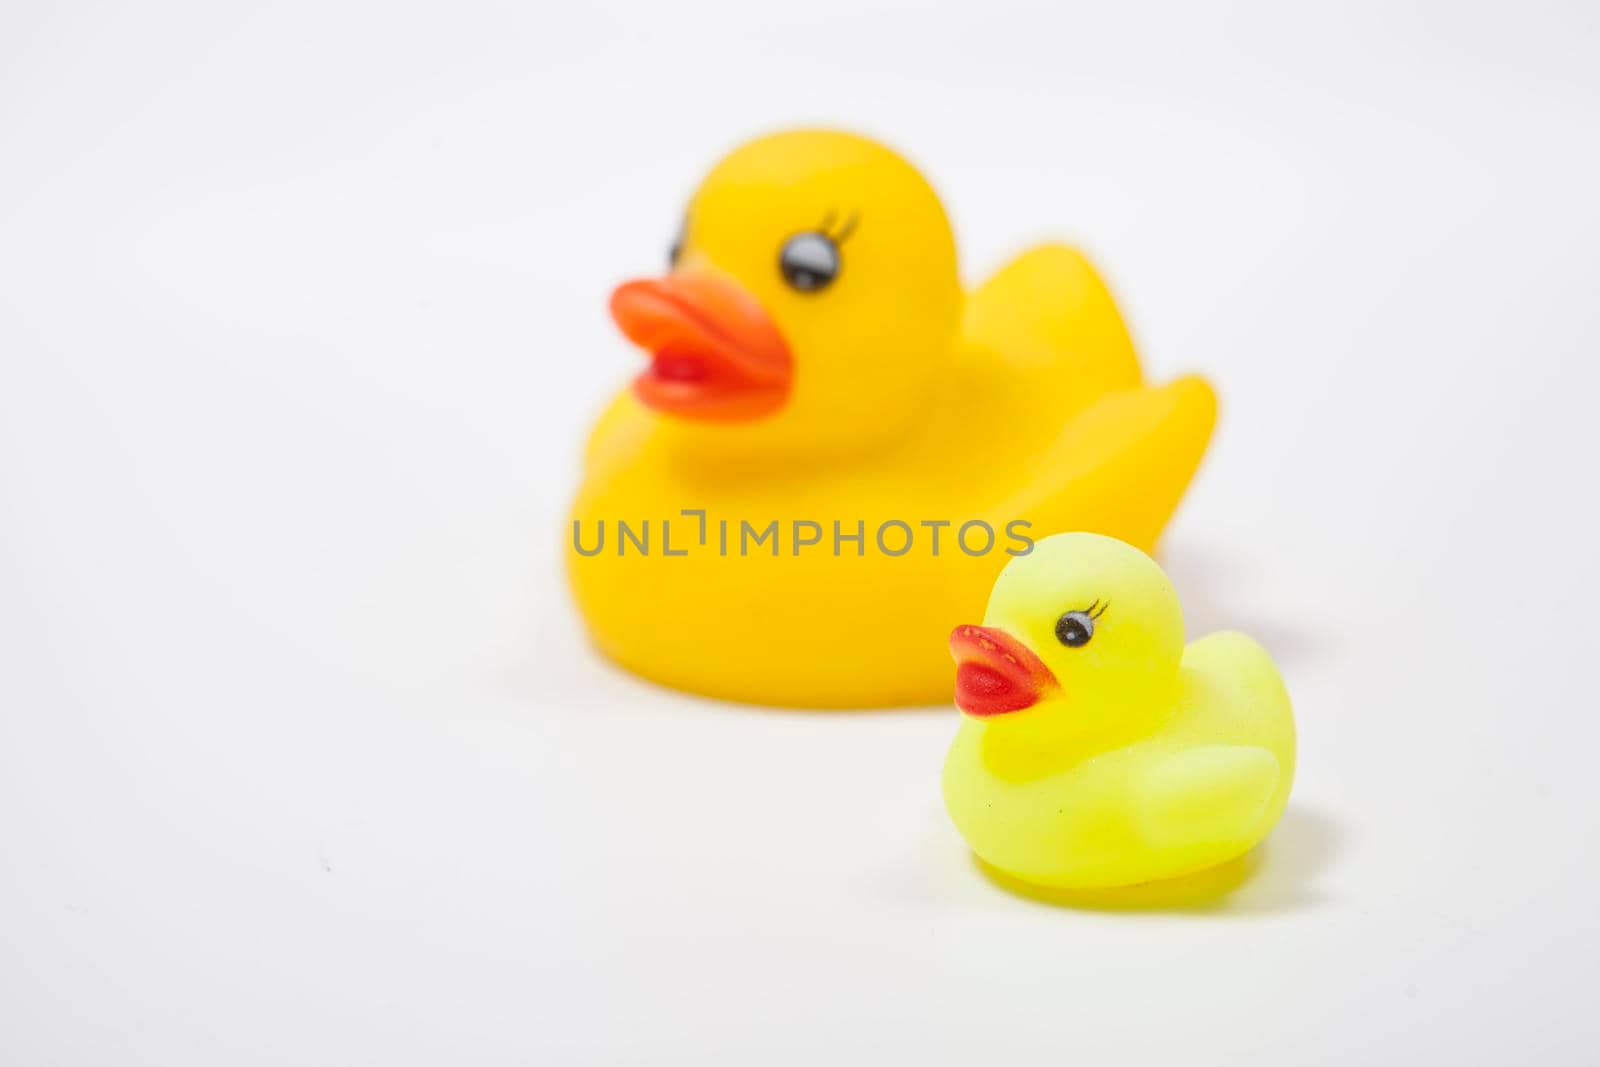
(1207, 787)
(884, 404)
(1113, 770)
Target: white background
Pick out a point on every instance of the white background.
(304, 759)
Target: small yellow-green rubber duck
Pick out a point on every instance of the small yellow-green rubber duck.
(1096, 750)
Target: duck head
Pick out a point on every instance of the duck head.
(811, 301)
(1082, 638)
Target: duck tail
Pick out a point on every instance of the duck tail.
(1121, 467)
(1049, 310)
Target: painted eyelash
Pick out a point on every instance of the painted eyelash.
(1092, 613)
(849, 227)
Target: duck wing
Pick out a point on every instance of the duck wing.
(1206, 797)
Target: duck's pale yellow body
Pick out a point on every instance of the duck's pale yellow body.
(1205, 787)
(1121, 759)
(886, 404)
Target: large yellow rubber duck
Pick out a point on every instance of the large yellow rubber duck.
(1096, 750)
(817, 374)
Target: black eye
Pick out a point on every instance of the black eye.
(1074, 629)
(676, 250)
(809, 261)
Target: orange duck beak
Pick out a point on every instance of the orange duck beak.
(996, 673)
(715, 353)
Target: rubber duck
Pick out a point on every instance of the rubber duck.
(816, 371)
(1095, 749)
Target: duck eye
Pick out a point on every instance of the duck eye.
(1074, 629)
(809, 261)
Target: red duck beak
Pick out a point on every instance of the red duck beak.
(996, 673)
(715, 352)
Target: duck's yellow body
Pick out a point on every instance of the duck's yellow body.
(815, 362)
(1096, 750)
